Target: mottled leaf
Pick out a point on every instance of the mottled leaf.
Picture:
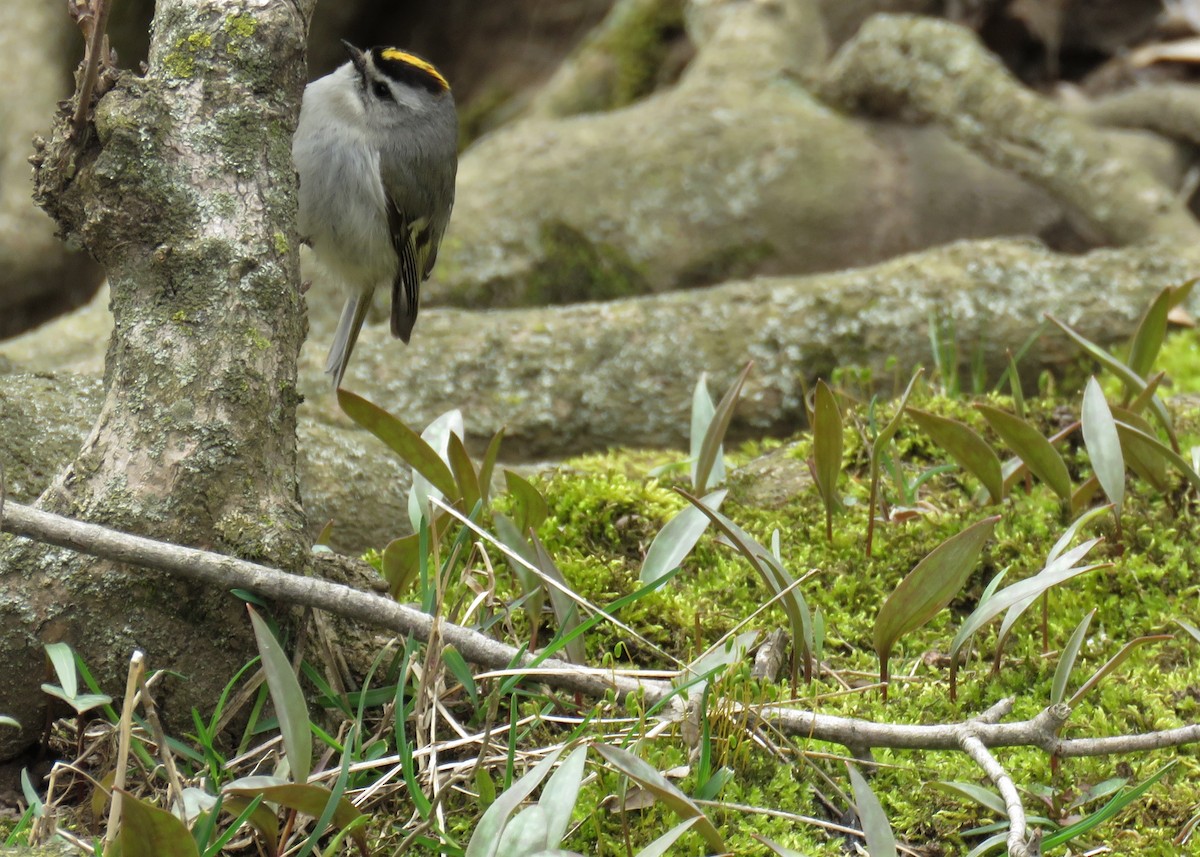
(827, 451)
(147, 831)
(1039, 454)
(966, 447)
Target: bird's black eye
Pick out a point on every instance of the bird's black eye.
(381, 91)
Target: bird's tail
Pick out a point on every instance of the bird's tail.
(351, 322)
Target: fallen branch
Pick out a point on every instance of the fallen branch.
(855, 734)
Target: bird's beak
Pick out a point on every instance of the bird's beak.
(357, 57)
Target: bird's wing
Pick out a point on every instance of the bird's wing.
(406, 286)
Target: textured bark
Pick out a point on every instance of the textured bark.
(184, 191)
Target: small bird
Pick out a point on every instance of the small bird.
(376, 148)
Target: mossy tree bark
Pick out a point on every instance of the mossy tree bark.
(184, 190)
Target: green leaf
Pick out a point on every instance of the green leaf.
(876, 829)
(776, 847)
(559, 796)
(306, 798)
(400, 439)
(464, 472)
(63, 660)
(5, 720)
(437, 435)
(485, 841)
(290, 707)
(530, 506)
(1060, 570)
(703, 412)
(663, 844)
(488, 465)
(1148, 443)
(710, 447)
(1143, 459)
(986, 798)
(930, 586)
(566, 609)
(877, 447)
(1066, 661)
(1114, 662)
(677, 538)
(461, 672)
(1151, 332)
(1039, 454)
(81, 702)
(1132, 380)
(147, 831)
(525, 834)
(827, 451)
(1119, 801)
(402, 563)
(1182, 623)
(1103, 444)
(966, 447)
(1014, 381)
(531, 585)
(664, 791)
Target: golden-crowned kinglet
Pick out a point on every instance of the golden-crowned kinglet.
(377, 150)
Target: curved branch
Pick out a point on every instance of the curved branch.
(227, 572)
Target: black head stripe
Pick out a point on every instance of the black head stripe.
(404, 67)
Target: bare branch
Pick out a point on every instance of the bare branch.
(858, 735)
(973, 747)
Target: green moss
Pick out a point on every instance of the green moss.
(573, 268)
(240, 28)
(638, 48)
(181, 61)
(282, 245)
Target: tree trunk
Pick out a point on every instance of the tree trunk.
(184, 190)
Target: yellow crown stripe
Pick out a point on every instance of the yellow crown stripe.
(416, 61)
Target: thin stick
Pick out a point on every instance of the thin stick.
(136, 667)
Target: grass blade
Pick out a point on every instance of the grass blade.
(877, 446)
(703, 411)
(1066, 662)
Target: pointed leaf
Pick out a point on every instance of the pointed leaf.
(986, 798)
(559, 796)
(63, 660)
(488, 465)
(287, 697)
(1103, 443)
(531, 586)
(147, 831)
(663, 844)
(1026, 590)
(1190, 628)
(776, 847)
(931, 585)
(876, 829)
(566, 609)
(1129, 433)
(966, 447)
(1151, 332)
(703, 412)
(1132, 380)
(713, 438)
(485, 841)
(1114, 662)
(1066, 661)
(1144, 460)
(1039, 454)
(662, 789)
(400, 439)
(827, 447)
(402, 563)
(437, 435)
(307, 798)
(531, 509)
(677, 538)
(464, 472)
